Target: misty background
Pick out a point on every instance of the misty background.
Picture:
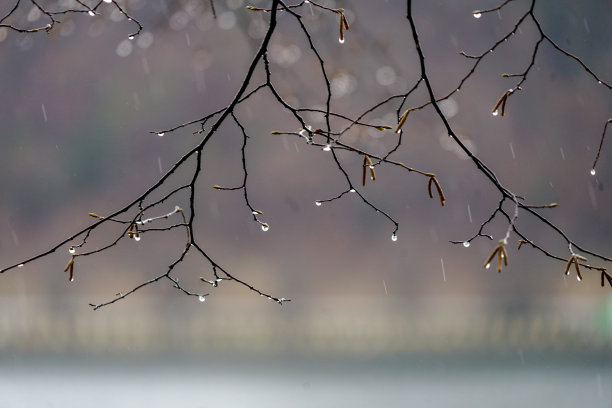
(370, 320)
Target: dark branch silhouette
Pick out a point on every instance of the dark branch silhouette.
(142, 215)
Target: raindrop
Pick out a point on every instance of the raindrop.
(593, 172)
(327, 148)
(108, 1)
(477, 14)
(44, 111)
(131, 37)
(136, 238)
(394, 237)
(318, 203)
(341, 40)
(20, 266)
(599, 82)
(495, 112)
(578, 278)
(265, 227)
(352, 190)
(466, 244)
(201, 298)
(91, 13)
(160, 134)
(487, 266)
(72, 279)
(443, 269)
(71, 250)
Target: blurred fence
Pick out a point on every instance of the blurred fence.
(401, 326)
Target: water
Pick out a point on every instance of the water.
(269, 381)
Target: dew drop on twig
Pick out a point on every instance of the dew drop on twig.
(466, 244)
(593, 172)
(394, 237)
(477, 14)
(201, 298)
(318, 203)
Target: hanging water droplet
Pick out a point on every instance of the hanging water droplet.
(466, 244)
(20, 266)
(71, 279)
(593, 172)
(394, 237)
(327, 148)
(91, 13)
(318, 203)
(341, 40)
(136, 238)
(265, 227)
(477, 14)
(352, 190)
(131, 37)
(495, 112)
(160, 134)
(201, 298)
(108, 1)
(71, 250)
(487, 266)
(578, 278)
(599, 82)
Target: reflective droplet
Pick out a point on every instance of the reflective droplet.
(72, 279)
(91, 13)
(20, 266)
(71, 250)
(341, 40)
(466, 244)
(487, 266)
(108, 1)
(131, 37)
(477, 14)
(136, 238)
(318, 203)
(265, 227)
(599, 82)
(160, 134)
(593, 172)
(495, 112)
(352, 190)
(393, 237)
(327, 148)
(201, 298)
(578, 278)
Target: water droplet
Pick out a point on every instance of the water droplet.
(495, 112)
(91, 13)
(341, 40)
(71, 250)
(20, 266)
(593, 172)
(371, 167)
(352, 190)
(160, 134)
(108, 1)
(72, 279)
(599, 82)
(131, 37)
(318, 203)
(202, 298)
(136, 238)
(487, 266)
(466, 244)
(394, 237)
(327, 148)
(477, 14)
(265, 227)
(578, 278)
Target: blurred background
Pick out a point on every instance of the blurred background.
(371, 321)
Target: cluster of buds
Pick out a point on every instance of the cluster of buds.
(502, 256)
